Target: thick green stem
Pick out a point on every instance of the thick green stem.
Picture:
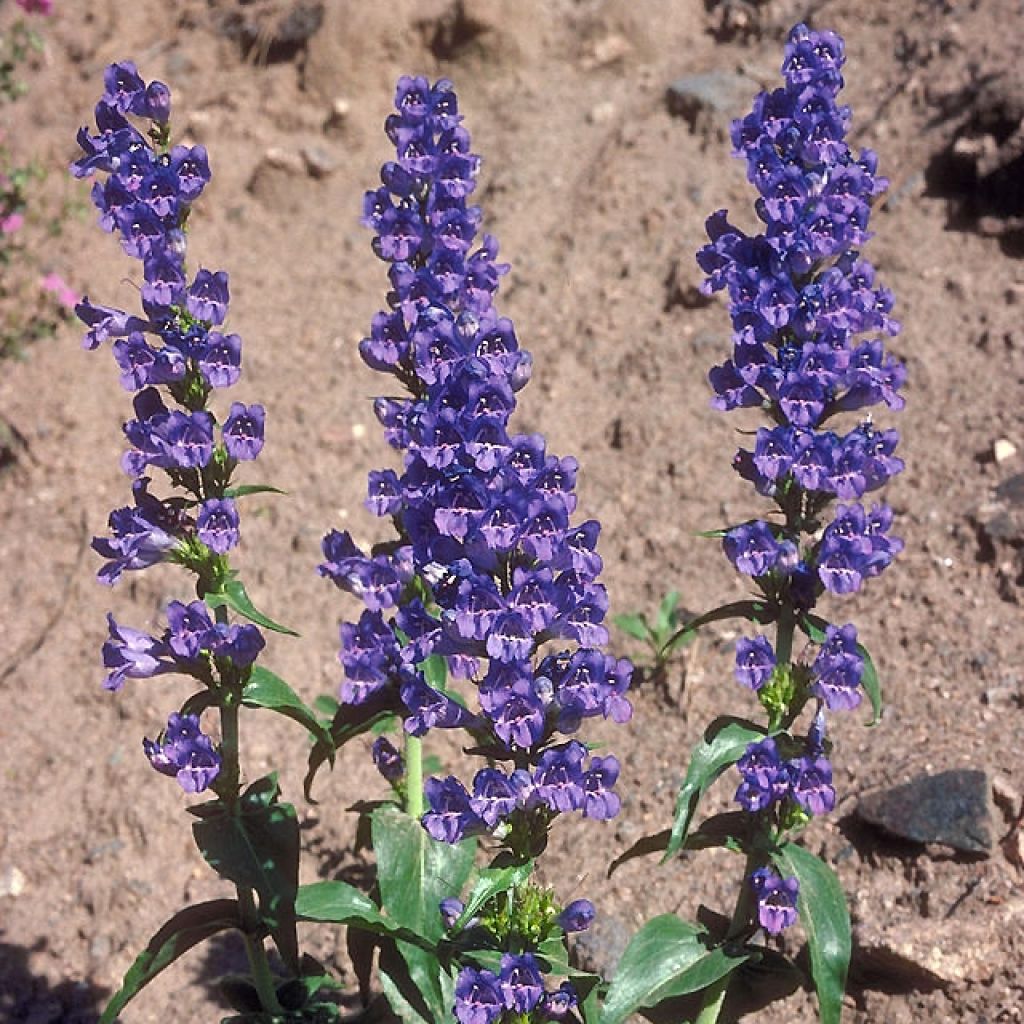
(714, 994)
(413, 776)
(260, 966)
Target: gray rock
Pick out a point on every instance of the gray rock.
(711, 100)
(319, 162)
(599, 949)
(951, 808)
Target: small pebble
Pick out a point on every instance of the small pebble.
(12, 881)
(1003, 450)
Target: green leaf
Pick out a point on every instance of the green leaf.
(435, 671)
(667, 613)
(351, 720)
(264, 689)
(244, 490)
(186, 929)
(872, 687)
(728, 829)
(724, 743)
(815, 626)
(668, 957)
(755, 611)
(199, 702)
(490, 882)
(257, 846)
(414, 873)
(826, 922)
(337, 902)
(232, 593)
(632, 624)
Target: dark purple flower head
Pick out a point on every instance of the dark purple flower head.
(217, 524)
(578, 916)
(243, 431)
(812, 785)
(131, 654)
(185, 753)
(478, 998)
(207, 297)
(838, 668)
(776, 899)
(388, 760)
(451, 817)
(520, 982)
(755, 661)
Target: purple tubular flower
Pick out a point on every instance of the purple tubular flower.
(142, 535)
(185, 753)
(578, 916)
(838, 669)
(812, 785)
(765, 776)
(207, 297)
(243, 431)
(217, 524)
(389, 761)
(478, 998)
(520, 982)
(451, 817)
(776, 899)
(451, 910)
(559, 1004)
(752, 548)
(755, 661)
(131, 654)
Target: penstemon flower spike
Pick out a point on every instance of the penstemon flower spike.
(174, 357)
(487, 573)
(800, 294)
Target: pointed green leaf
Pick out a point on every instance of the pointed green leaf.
(267, 690)
(490, 882)
(826, 922)
(351, 720)
(414, 873)
(186, 929)
(632, 624)
(435, 671)
(728, 829)
(668, 957)
(667, 612)
(724, 743)
(337, 902)
(755, 611)
(257, 846)
(244, 490)
(233, 594)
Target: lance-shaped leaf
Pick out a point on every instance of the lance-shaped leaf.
(186, 929)
(667, 958)
(755, 611)
(490, 882)
(264, 689)
(633, 624)
(414, 873)
(728, 829)
(814, 626)
(724, 742)
(244, 490)
(232, 593)
(257, 846)
(349, 721)
(826, 922)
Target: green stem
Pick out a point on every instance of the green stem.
(229, 752)
(714, 994)
(413, 776)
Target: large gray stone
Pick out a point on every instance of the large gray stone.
(953, 808)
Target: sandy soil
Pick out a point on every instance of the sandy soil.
(598, 196)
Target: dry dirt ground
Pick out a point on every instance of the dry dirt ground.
(598, 195)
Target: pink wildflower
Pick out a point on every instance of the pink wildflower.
(63, 292)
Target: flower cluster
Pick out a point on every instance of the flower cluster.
(488, 566)
(173, 351)
(482, 997)
(185, 753)
(800, 298)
